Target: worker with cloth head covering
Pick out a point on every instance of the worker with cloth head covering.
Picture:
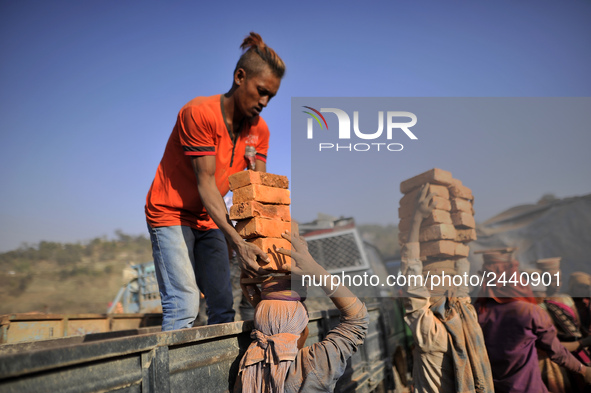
(561, 308)
(450, 354)
(277, 361)
(579, 287)
(513, 326)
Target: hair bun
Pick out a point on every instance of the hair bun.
(252, 40)
(256, 55)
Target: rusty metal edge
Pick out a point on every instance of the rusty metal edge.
(17, 364)
(7, 318)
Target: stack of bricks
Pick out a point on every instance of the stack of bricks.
(261, 208)
(445, 233)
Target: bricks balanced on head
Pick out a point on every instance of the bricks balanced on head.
(445, 233)
(261, 209)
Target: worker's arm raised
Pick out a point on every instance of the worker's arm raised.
(429, 333)
(304, 264)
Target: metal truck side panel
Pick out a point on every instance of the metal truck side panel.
(199, 359)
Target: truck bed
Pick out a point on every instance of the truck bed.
(199, 359)
(15, 328)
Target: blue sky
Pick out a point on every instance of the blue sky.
(90, 90)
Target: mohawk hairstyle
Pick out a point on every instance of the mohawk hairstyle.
(256, 55)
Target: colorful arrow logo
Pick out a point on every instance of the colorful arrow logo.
(316, 117)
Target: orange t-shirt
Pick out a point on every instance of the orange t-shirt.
(200, 130)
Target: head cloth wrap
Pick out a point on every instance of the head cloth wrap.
(499, 263)
(278, 325)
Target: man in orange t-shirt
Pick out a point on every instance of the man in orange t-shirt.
(214, 137)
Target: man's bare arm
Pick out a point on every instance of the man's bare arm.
(260, 166)
(204, 167)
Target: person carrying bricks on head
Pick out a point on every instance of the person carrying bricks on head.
(276, 360)
(579, 287)
(213, 138)
(450, 353)
(561, 308)
(515, 328)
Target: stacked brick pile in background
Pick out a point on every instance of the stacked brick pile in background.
(445, 233)
(261, 208)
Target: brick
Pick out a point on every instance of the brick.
(408, 202)
(260, 193)
(463, 220)
(245, 178)
(465, 235)
(462, 250)
(459, 191)
(433, 176)
(437, 232)
(461, 204)
(444, 249)
(439, 267)
(442, 203)
(261, 227)
(270, 246)
(440, 264)
(441, 191)
(456, 182)
(251, 209)
(436, 217)
(407, 209)
(433, 232)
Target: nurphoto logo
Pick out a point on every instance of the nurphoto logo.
(393, 126)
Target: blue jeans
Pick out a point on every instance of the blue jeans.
(187, 260)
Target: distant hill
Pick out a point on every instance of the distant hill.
(57, 277)
(551, 228)
(68, 278)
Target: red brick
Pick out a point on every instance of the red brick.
(259, 193)
(463, 220)
(251, 209)
(245, 178)
(440, 264)
(444, 249)
(408, 208)
(465, 235)
(261, 227)
(433, 232)
(408, 202)
(462, 250)
(437, 232)
(433, 176)
(442, 203)
(438, 190)
(436, 217)
(460, 191)
(461, 204)
(456, 182)
(439, 267)
(270, 246)
(440, 248)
